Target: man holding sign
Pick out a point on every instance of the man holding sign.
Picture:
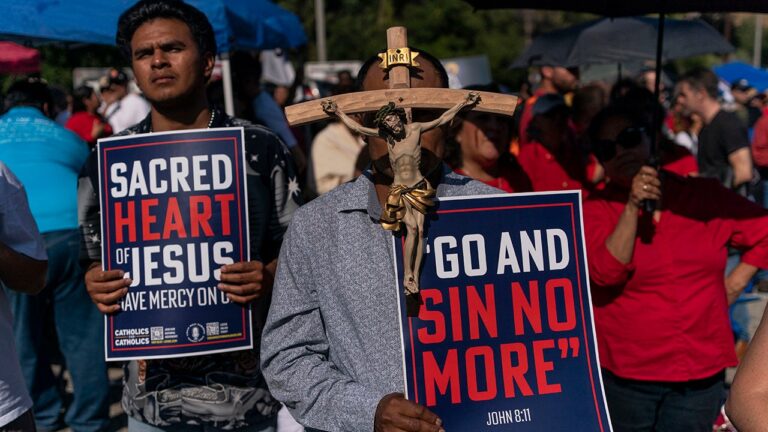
(172, 49)
(331, 347)
(498, 336)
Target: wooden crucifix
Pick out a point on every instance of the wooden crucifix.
(410, 194)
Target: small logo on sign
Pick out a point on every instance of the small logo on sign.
(156, 333)
(195, 332)
(212, 328)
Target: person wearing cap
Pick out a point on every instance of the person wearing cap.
(47, 158)
(552, 159)
(122, 108)
(172, 48)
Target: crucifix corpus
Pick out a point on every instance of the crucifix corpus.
(410, 194)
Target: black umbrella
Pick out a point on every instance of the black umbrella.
(627, 7)
(622, 40)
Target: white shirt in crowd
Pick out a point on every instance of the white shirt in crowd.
(334, 154)
(126, 112)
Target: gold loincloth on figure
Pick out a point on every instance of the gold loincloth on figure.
(418, 197)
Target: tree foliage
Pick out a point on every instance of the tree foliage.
(356, 29)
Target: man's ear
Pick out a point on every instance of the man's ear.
(209, 60)
(46, 109)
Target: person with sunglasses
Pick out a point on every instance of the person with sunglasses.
(645, 105)
(659, 296)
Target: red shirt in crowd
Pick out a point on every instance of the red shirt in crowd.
(760, 141)
(527, 116)
(664, 315)
(82, 123)
(547, 173)
(680, 161)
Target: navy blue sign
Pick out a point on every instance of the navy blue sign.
(173, 212)
(503, 339)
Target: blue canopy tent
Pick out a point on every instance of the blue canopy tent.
(238, 24)
(758, 78)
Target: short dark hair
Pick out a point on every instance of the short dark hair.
(81, 93)
(32, 91)
(422, 56)
(147, 10)
(702, 79)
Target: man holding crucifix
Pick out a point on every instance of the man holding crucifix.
(410, 195)
(331, 348)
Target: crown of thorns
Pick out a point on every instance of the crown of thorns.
(386, 110)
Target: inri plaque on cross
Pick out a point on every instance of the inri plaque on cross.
(410, 194)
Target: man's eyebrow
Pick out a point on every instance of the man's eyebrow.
(172, 44)
(146, 49)
(167, 44)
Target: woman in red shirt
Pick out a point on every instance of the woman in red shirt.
(659, 296)
(85, 120)
(478, 149)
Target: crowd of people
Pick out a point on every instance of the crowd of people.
(674, 194)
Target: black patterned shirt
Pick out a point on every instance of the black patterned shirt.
(222, 390)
